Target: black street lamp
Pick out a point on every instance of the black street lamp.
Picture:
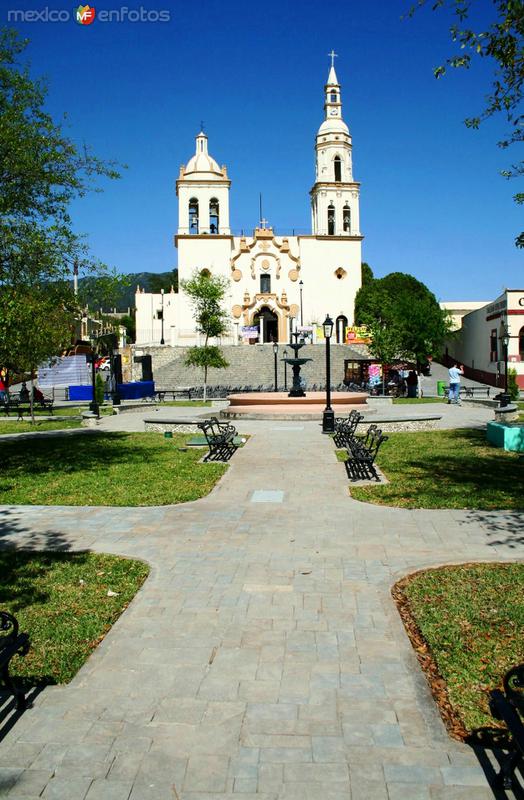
(328, 418)
(285, 369)
(300, 286)
(162, 318)
(275, 353)
(505, 398)
(93, 405)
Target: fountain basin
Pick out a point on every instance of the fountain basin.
(277, 405)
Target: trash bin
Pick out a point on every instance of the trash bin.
(441, 385)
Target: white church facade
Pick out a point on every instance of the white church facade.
(277, 283)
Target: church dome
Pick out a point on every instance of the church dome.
(202, 165)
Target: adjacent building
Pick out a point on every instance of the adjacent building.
(479, 342)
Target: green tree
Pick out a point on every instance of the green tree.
(385, 345)
(513, 387)
(406, 306)
(41, 172)
(206, 294)
(367, 273)
(35, 325)
(501, 43)
(129, 324)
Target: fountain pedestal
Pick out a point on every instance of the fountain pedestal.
(296, 364)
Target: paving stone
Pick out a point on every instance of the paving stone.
(67, 789)
(407, 791)
(109, 790)
(30, 782)
(207, 774)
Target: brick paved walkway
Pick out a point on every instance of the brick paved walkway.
(263, 657)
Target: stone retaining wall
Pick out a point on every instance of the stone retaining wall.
(249, 365)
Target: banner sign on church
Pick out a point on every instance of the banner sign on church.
(249, 331)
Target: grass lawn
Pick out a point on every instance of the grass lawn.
(61, 600)
(446, 469)
(25, 426)
(401, 401)
(106, 469)
(465, 623)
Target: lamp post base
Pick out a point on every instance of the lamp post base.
(504, 399)
(328, 421)
(94, 407)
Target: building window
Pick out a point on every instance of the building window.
(205, 273)
(338, 168)
(347, 218)
(333, 97)
(265, 284)
(193, 215)
(521, 344)
(493, 346)
(331, 219)
(213, 215)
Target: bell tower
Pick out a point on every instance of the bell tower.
(203, 194)
(335, 195)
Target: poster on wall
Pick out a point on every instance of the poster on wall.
(357, 334)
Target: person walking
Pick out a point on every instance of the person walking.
(454, 383)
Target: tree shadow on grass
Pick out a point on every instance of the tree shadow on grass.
(65, 454)
(478, 473)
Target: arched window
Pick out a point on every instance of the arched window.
(338, 168)
(331, 219)
(213, 215)
(205, 273)
(521, 343)
(193, 215)
(341, 325)
(347, 218)
(333, 97)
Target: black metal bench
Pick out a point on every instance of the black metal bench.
(220, 438)
(161, 394)
(360, 464)
(471, 391)
(24, 408)
(345, 428)
(508, 706)
(12, 643)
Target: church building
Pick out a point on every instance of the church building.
(277, 282)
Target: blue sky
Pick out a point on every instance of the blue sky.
(432, 201)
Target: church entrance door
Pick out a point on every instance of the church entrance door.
(267, 321)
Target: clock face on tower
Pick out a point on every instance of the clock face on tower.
(333, 112)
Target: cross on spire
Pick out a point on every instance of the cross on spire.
(263, 223)
(202, 125)
(332, 56)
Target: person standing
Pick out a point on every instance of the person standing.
(454, 383)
